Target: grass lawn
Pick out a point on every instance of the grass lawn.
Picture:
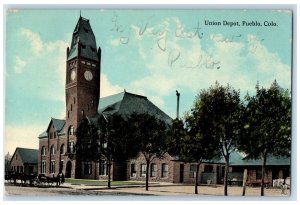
(101, 183)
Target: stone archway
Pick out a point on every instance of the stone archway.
(68, 169)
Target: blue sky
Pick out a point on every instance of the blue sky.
(148, 52)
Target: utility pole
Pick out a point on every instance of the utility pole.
(178, 96)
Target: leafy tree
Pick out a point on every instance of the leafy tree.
(217, 112)
(117, 145)
(190, 145)
(150, 135)
(267, 126)
(87, 145)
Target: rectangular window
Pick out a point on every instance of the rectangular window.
(193, 169)
(164, 170)
(258, 173)
(143, 170)
(208, 168)
(153, 170)
(103, 168)
(132, 170)
(43, 168)
(52, 167)
(88, 169)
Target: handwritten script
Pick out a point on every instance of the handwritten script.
(160, 33)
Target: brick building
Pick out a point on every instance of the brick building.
(82, 92)
(276, 168)
(171, 169)
(24, 160)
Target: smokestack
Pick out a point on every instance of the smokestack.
(178, 96)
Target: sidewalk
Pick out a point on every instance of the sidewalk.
(170, 189)
(93, 187)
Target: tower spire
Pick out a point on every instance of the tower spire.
(80, 13)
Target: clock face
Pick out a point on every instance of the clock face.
(73, 75)
(88, 75)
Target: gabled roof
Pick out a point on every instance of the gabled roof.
(27, 155)
(59, 126)
(126, 103)
(84, 34)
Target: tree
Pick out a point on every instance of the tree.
(267, 125)
(7, 161)
(190, 145)
(116, 143)
(150, 135)
(217, 112)
(87, 144)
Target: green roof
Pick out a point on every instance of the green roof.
(29, 156)
(123, 104)
(84, 34)
(238, 159)
(126, 103)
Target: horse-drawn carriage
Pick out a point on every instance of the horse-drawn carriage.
(34, 179)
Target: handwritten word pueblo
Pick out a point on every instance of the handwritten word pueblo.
(203, 61)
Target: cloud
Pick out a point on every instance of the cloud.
(22, 136)
(19, 65)
(106, 88)
(196, 63)
(51, 55)
(34, 40)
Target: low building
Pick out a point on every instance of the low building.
(171, 169)
(24, 160)
(276, 168)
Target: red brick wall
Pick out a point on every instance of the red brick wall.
(141, 160)
(16, 162)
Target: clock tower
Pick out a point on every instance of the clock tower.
(82, 77)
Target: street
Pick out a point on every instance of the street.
(157, 190)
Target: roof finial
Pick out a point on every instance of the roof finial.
(80, 13)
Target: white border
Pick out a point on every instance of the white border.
(215, 4)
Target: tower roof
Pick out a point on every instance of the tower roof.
(83, 34)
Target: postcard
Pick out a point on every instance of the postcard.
(160, 102)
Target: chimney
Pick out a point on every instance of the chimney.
(177, 111)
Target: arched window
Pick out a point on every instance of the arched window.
(52, 150)
(43, 151)
(62, 149)
(71, 130)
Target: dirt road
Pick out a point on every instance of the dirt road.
(162, 190)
